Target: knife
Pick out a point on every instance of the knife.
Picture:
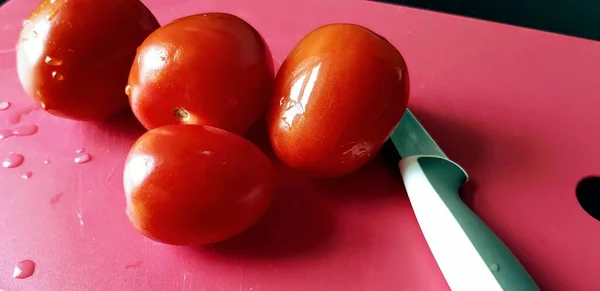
(470, 256)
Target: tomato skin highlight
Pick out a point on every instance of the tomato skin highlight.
(337, 98)
(195, 185)
(210, 69)
(73, 57)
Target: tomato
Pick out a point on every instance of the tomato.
(73, 57)
(211, 69)
(193, 184)
(337, 98)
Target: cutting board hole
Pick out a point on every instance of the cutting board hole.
(588, 195)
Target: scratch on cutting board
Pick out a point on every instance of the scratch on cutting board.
(14, 201)
(363, 263)
(80, 212)
(184, 280)
(137, 264)
(257, 256)
(79, 216)
(241, 272)
(110, 174)
(7, 51)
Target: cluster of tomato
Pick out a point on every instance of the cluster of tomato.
(198, 84)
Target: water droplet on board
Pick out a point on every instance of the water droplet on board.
(494, 267)
(5, 133)
(34, 34)
(57, 76)
(82, 158)
(27, 175)
(128, 90)
(24, 269)
(4, 105)
(25, 130)
(17, 114)
(47, 162)
(13, 160)
(79, 151)
(56, 198)
(52, 61)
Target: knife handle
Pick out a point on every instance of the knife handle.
(470, 256)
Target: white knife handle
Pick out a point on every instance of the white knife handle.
(470, 256)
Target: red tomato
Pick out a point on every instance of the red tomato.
(193, 185)
(73, 56)
(212, 69)
(338, 96)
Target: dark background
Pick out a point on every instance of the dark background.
(579, 18)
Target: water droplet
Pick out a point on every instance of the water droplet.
(79, 151)
(82, 158)
(57, 76)
(25, 130)
(4, 105)
(27, 175)
(56, 198)
(52, 13)
(34, 34)
(47, 162)
(5, 133)
(52, 62)
(494, 267)
(24, 269)
(128, 90)
(13, 160)
(17, 114)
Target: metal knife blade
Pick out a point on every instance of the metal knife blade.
(411, 138)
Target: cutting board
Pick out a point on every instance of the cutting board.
(517, 108)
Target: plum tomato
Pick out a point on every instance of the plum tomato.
(337, 98)
(210, 69)
(73, 57)
(195, 185)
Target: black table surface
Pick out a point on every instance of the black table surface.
(571, 17)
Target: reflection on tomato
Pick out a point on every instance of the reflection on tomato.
(338, 96)
(73, 57)
(212, 69)
(193, 185)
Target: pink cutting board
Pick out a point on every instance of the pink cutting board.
(516, 107)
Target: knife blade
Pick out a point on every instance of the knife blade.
(468, 253)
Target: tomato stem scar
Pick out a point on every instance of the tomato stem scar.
(181, 114)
